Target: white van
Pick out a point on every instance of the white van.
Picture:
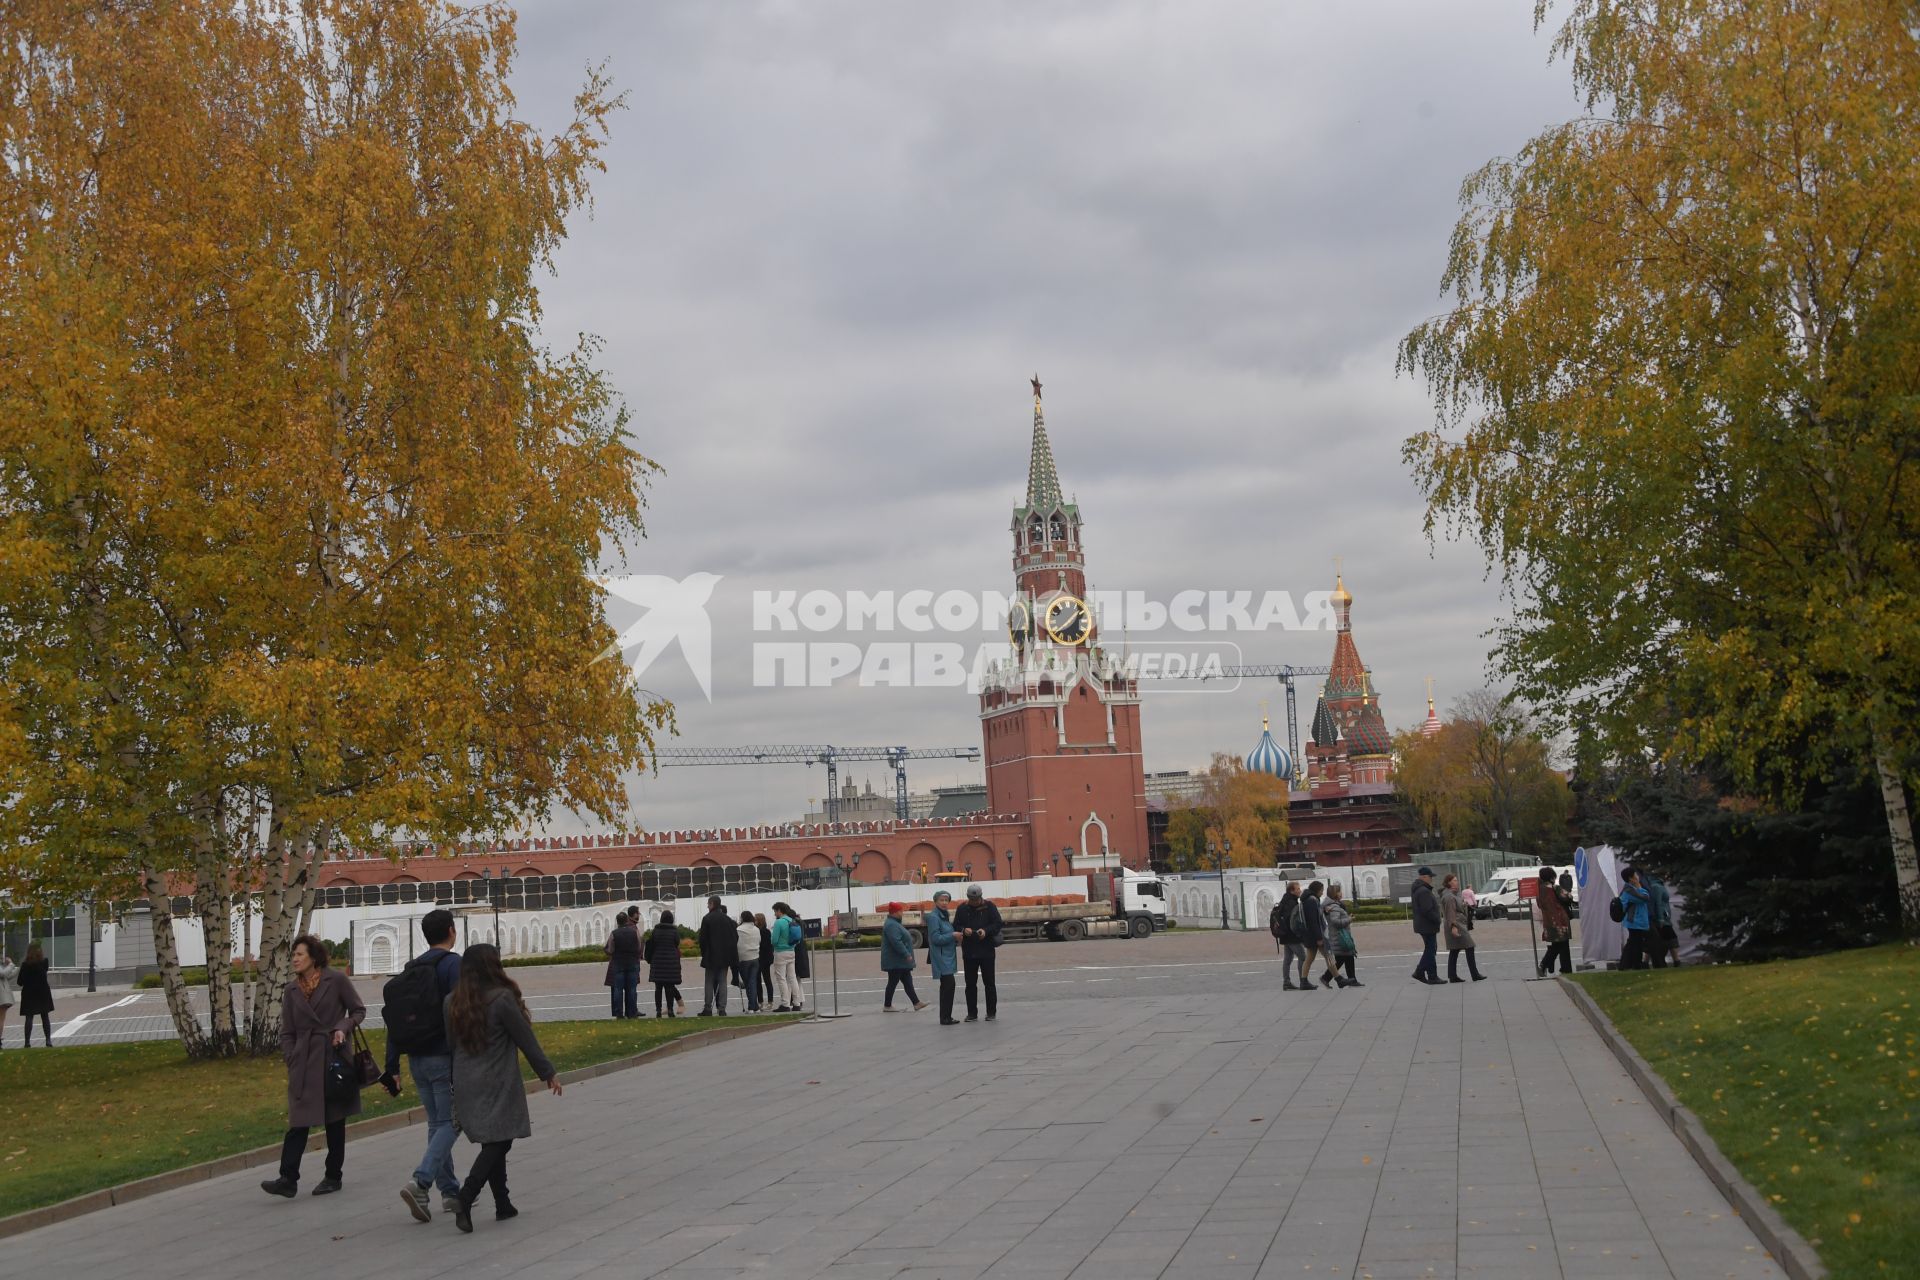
(1502, 891)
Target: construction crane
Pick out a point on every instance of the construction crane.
(829, 756)
(1285, 674)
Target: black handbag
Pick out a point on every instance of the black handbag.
(347, 1074)
(342, 1081)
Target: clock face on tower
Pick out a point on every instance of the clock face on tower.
(1019, 621)
(1067, 621)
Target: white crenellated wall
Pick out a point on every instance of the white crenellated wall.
(395, 928)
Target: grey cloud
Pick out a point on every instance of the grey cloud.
(835, 238)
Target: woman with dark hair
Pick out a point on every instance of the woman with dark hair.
(1556, 922)
(788, 950)
(746, 964)
(36, 995)
(1459, 932)
(489, 1028)
(663, 966)
(318, 1012)
(766, 959)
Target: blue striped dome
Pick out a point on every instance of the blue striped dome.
(1269, 757)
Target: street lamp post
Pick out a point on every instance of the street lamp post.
(93, 936)
(1219, 855)
(846, 874)
(1009, 865)
(493, 900)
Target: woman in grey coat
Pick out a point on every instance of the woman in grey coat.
(489, 1028)
(318, 1012)
(1459, 932)
(1340, 945)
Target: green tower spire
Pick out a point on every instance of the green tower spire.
(1043, 481)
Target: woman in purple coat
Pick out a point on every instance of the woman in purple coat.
(318, 1012)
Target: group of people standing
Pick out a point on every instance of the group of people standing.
(1646, 909)
(27, 983)
(764, 960)
(970, 934)
(465, 1063)
(1310, 925)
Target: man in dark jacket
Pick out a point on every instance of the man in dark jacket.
(1288, 916)
(431, 1065)
(1313, 927)
(978, 924)
(719, 952)
(1662, 940)
(1426, 923)
(623, 967)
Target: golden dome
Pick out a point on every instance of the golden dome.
(1340, 592)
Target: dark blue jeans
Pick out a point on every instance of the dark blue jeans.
(626, 992)
(747, 974)
(1428, 967)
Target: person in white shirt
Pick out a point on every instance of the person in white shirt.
(746, 970)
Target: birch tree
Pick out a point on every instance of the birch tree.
(1677, 397)
(302, 515)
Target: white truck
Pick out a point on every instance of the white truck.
(1501, 896)
(1126, 904)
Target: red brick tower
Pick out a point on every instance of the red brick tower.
(1350, 741)
(1060, 723)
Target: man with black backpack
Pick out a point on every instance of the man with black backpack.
(1286, 923)
(414, 1000)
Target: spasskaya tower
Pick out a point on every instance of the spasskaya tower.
(1060, 722)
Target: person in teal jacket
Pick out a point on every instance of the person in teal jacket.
(896, 957)
(1661, 939)
(943, 954)
(787, 931)
(1635, 916)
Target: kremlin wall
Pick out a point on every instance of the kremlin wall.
(1066, 791)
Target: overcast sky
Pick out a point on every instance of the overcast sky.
(834, 240)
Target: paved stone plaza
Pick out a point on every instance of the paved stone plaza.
(1479, 1130)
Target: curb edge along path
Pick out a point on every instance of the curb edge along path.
(139, 1189)
(1790, 1249)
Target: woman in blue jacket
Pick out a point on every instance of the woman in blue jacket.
(1635, 914)
(896, 957)
(942, 949)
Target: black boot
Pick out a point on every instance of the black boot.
(281, 1186)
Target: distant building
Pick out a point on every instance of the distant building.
(1345, 813)
(866, 805)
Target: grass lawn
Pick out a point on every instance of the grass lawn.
(1807, 1075)
(79, 1119)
